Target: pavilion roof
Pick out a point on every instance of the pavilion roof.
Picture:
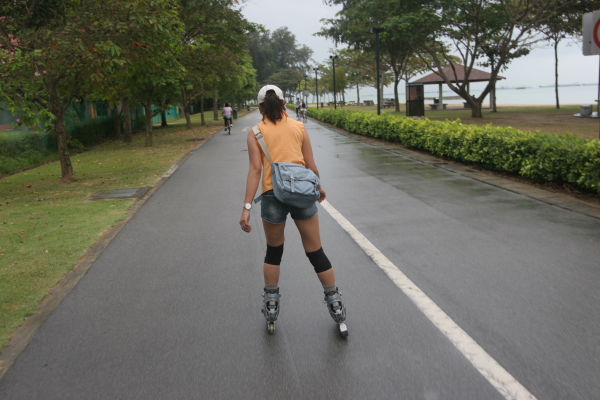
(476, 75)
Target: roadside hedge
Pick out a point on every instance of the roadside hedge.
(539, 156)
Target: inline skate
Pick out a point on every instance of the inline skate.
(270, 308)
(337, 311)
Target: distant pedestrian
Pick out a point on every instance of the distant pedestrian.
(298, 105)
(287, 141)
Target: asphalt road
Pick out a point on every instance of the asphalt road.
(170, 310)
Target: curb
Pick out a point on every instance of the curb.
(582, 203)
(23, 335)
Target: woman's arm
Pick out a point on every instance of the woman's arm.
(309, 160)
(253, 179)
(307, 153)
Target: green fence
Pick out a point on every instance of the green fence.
(172, 113)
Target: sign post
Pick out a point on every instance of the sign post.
(591, 33)
(591, 46)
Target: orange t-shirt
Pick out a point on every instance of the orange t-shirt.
(284, 140)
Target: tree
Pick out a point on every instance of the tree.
(46, 63)
(240, 85)
(562, 20)
(215, 51)
(141, 33)
(404, 24)
(359, 66)
(275, 53)
(58, 51)
(159, 70)
(476, 31)
(286, 79)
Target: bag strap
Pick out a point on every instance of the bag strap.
(261, 141)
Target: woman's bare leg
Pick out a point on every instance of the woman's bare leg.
(274, 233)
(311, 240)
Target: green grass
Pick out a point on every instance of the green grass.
(10, 132)
(14, 133)
(47, 225)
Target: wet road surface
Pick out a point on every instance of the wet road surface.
(170, 310)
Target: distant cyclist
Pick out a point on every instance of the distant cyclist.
(227, 115)
(303, 110)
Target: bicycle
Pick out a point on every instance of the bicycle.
(303, 115)
(228, 127)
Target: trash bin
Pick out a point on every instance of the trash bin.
(416, 100)
(234, 114)
(586, 110)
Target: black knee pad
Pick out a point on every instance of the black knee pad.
(319, 260)
(274, 254)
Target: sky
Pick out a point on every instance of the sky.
(302, 18)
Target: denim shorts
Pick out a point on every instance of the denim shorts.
(275, 212)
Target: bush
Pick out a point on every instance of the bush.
(93, 131)
(23, 150)
(538, 156)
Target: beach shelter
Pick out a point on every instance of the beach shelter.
(457, 75)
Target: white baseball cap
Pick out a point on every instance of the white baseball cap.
(263, 92)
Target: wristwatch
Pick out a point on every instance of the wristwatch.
(247, 206)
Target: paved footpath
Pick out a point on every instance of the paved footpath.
(170, 310)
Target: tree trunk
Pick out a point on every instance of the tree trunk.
(216, 105)
(163, 111)
(92, 111)
(396, 99)
(118, 119)
(357, 95)
(202, 120)
(186, 108)
(63, 140)
(127, 137)
(163, 119)
(148, 110)
(188, 118)
(556, 72)
(475, 107)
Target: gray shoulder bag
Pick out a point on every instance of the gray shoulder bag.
(293, 184)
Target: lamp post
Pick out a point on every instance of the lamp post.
(334, 92)
(377, 31)
(317, 84)
(305, 89)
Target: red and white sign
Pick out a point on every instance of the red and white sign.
(591, 33)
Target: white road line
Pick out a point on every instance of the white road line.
(496, 375)
(170, 171)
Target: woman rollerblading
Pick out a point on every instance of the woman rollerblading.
(277, 143)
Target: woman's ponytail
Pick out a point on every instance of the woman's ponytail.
(272, 107)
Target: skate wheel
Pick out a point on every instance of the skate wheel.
(343, 330)
(271, 327)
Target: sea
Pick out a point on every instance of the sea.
(576, 93)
